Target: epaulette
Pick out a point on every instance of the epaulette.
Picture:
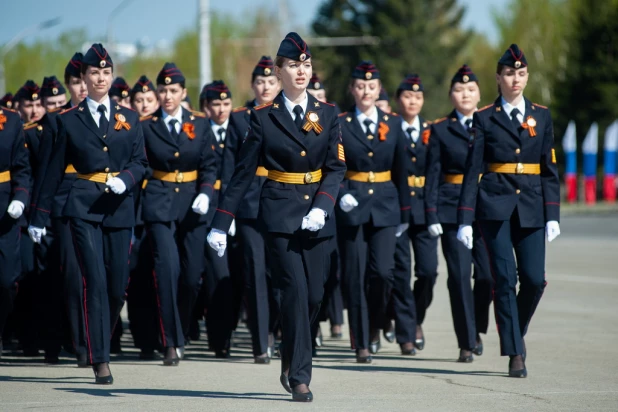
(142, 118)
(198, 114)
(342, 114)
(486, 107)
(539, 105)
(239, 109)
(68, 110)
(30, 125)
(54, 110)
(8, 110)
(440, 120)
(261, 106)
(327, 103)
(120, 107)
(394, 114)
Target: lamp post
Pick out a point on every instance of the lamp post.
(15, 40)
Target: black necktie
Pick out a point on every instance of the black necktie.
(221, 133)
(173, 131)
(514, 120)
(103, 122)
(368, 123)
(410, 130)
(299, 116)
(468, 124)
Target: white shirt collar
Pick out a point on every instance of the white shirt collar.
(290, 105)
(94, 106)
(215, 128)
(167, 118)
(508, 108)
(416, 124)
(462, 119)
(360, 116)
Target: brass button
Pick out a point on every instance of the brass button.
(414, 159)
(303, 153)
(104, 136)
(176, 190)
(370, 154)
(517, 151)
(221, 145)
(105, 149)
(107, 170)
(412, 145)
(412, 193)
(518, 191)
(107, 190)
(370, 191)
(370, 137)
(176, 154)
(306, 197)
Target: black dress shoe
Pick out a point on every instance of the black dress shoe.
(517, 373)
(364, 359)
(336, 333)
(51, 358)
(171, 357)
(478, 349)
(285, 382)
(262, 359)
(374, 347)
(302, 397)
(407, 349)
(419, 343)
(389, 332)
(147, 354)
(465, 356)
(102, 380)
(181, 352)
(222, 354)
(523, 355)
(82, 360)
(318, 339)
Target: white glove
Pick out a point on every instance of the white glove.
(552, 229)
(217, 239)
(200, 204)
(315, 220)
(232, 231)
(464, 235)
(116, 185)
(347, 202)
(15, 209)
(36, 233)
(401, 228)
(435, 230)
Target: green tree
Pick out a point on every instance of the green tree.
(416, 36)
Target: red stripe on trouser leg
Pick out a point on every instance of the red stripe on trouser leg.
(493, 275)
(156, 285)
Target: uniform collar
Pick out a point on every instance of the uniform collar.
(167, 117)
(215, 128)
(508, 108)
(290, 105)
(94, 106)
(360, 116)
(462, 119)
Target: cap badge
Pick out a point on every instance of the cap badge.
(415, 87)
(55, 91)
(368, 75)
(517, 64)
(144, 89)
(267, 71)
(102, 63)
(223, 95)
(125, 93)
(316, 85)
(168, 80)
(465, 78)
(35, 96)
(302, 57)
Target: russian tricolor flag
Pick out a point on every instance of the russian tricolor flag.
(569, 145)
(590, 149)
(610, 147)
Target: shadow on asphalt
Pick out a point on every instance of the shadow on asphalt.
(376, 368)
(179, 393)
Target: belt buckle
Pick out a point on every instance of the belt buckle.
(308, 178)
(180, 177)
(108, 177)
(372, 177)
(417, 181)
(519, 169)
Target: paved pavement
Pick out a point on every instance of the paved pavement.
(572, 359)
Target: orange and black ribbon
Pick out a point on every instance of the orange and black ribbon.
(530, 125)
(311, 122)
(189, 129)
(121, 122)
(2, 120)
(383, 130)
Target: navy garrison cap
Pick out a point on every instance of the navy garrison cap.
(464, 75)
(29, 91)
(366, 70)
(265, 67)
(513, 57)
(315, 83)
(74, 66)
(216, 90)
(119, 88)
(97, 56)
(143, 85)
(294, 47)
(170, 74)
(411, 82)
(7, 101)
(383, 95)
(52, 87)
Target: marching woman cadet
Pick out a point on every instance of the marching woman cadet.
(374, 208)
(517, 197)
(410, 307)
(297, 139)
(446, 158)
(261, 308)
(14, 194)
(120, 92)
(179, 146)
(105, 144)
(144, 97)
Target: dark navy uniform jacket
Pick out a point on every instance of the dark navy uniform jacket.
(447, 153)
(170, 201)
(14, 159)
(536, 197)
(89, 150)
(275, 141)
(385, 203)
(237, 130)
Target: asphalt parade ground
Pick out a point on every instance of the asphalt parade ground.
(572, 358)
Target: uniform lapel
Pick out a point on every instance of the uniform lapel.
(113, 109)
(187, 117)
(159, 127)
(313, 105)
(456, 128)
(283, 117)
(355, 129)
(84, 115)
(500, 117)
